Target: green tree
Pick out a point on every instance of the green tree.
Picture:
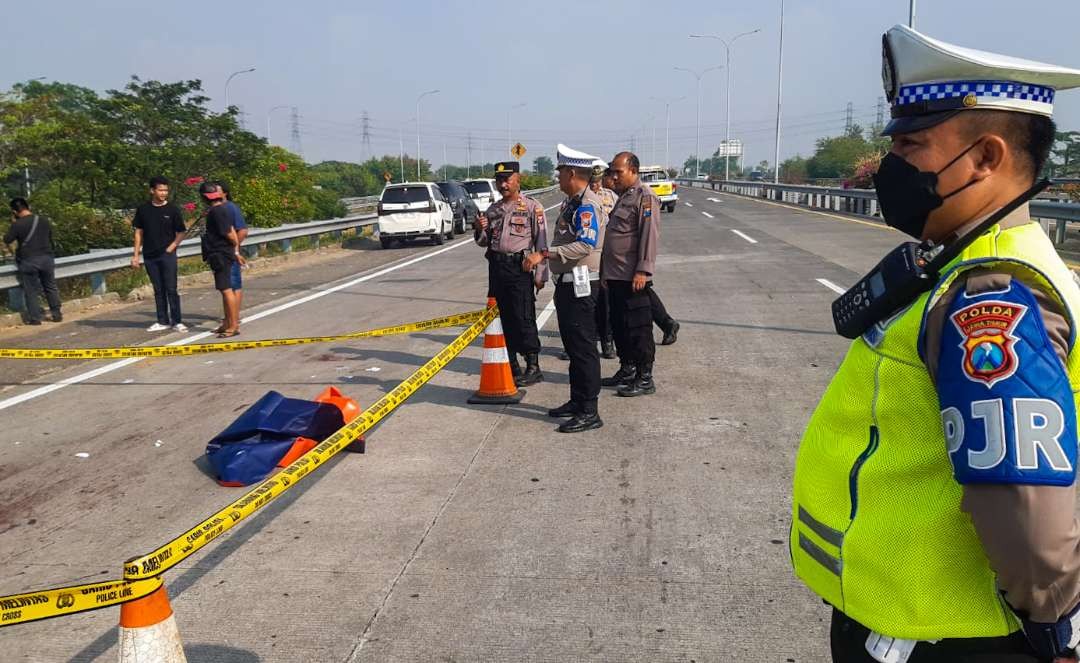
(794, 170)
(1065, 156)
(543, 166)
(837, 156)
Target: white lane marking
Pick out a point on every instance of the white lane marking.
(542, 319)
(709, 215)
(744, 236)
(116, 365)
(688, 204)
(713, 200)
(831, 286)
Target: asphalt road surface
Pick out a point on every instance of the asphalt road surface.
(466, 533)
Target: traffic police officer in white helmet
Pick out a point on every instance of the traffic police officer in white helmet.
(935, 485)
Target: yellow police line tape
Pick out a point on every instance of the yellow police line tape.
(142, 575)
(455, 320)
(33, 606)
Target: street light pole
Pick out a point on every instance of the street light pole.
(509, 140)
(697, 131)
(268, 113)
(229, 80)
(911, 14)
(779, 98)
(728, 44)
(422, 95)
(667, 127)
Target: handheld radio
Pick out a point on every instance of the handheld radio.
(905, 273)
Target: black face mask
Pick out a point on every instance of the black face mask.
(907, 195)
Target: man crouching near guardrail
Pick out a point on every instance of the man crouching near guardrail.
(220, 249)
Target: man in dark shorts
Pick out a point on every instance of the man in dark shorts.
(241, 227)
(220, 249)
(159, 229)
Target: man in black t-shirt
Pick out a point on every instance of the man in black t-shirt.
(220, 249)
(33, 260)
(159, 229)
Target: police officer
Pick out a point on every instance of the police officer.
(574, 258)
(935, 485)
(607, 201)
(511, 228)
(607, 198)
(629, 261)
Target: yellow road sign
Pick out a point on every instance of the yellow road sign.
(386, 176)
(518, 150)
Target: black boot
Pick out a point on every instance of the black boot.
(567, 409)
(532, 373)
(515, 367)
(671, 334)
(624, 375)
(582, 422)
(642, 385)
(607, 348)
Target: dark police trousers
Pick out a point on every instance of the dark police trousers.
(849, 646)
(577, 327)
(603, 313)
(162, 273)
(35, 275)
(659, 313)
(631, 322)
(514, 293)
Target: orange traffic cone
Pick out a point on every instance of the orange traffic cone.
(349, 411)
(148, 630)
(496, 380)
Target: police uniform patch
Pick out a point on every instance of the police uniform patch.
(586, 218)
(646, 207)
(987, 339)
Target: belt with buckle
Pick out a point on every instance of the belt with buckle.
(507, 257)
(568, 277)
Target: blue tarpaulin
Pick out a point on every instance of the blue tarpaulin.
(248, 450)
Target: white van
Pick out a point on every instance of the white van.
(483, 192)
(412, 210)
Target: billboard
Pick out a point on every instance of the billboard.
(732, 148)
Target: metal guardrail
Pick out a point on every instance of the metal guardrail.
(97, 264)
(863, 202)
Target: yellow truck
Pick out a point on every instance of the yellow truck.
(662, 185)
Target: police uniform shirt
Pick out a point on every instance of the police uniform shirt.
(1029, 531)
(579, 234)
(608, 198)
(633, 234)
(515, 226)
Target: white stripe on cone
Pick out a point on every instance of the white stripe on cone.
(496, 356)
(159, 643)
(495, 327)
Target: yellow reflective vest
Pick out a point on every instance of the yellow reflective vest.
(877, 530)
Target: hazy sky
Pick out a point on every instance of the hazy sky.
(587, 71)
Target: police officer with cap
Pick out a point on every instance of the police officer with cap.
(603, 319)
(935, 486)
(574, 258)
(510, 229)
(633, 237)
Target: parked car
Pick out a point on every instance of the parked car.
(483, 192)
(412, 210)
(662, 185)
(465, 208)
